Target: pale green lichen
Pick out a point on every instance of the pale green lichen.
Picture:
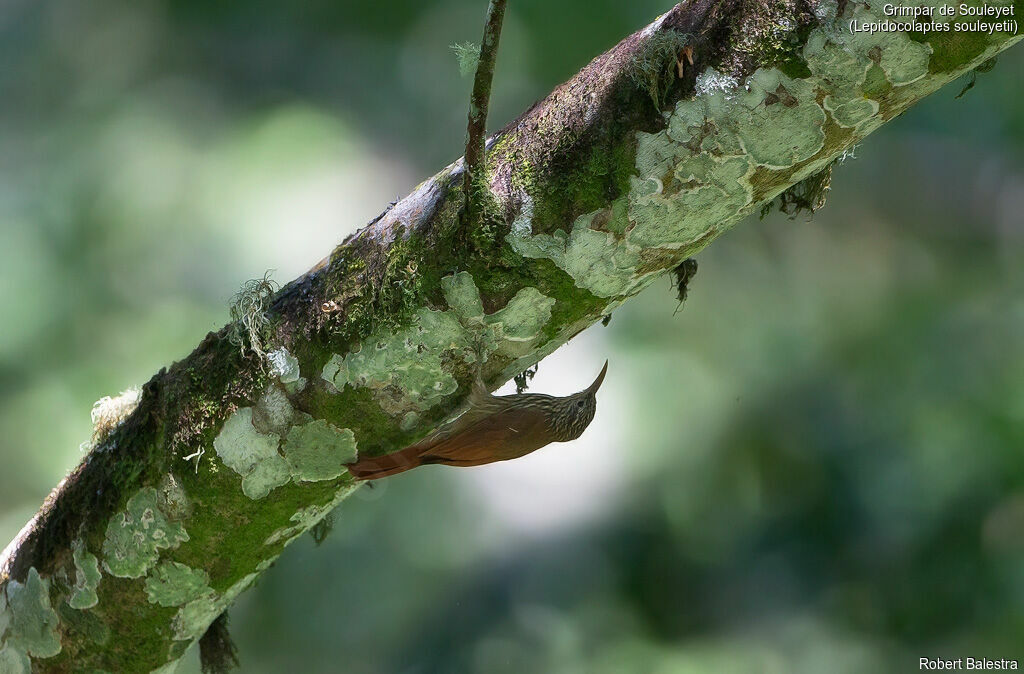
(174, 584)
(33, 622)
(463, 297)
(513, 329)
(87, 577)
(595, 259)
(192, 619)
(251, 454)
(404, 369)
(308, 517)
(135, 536)
(271, 444)
(842, 62)
(409, 421)
(695, 178)
(777, 119)
(14, 661)
(318, 451)
(902, 59)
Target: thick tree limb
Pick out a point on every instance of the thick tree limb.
(633, 165)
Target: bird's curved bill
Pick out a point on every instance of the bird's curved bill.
(600, 378)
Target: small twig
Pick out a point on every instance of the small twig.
(478, 102)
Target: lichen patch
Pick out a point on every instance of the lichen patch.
(696, 178)
(251, 454)
(136, 535)
(174, 584)
(192, 619)
(87, 577)
(32, 629)
(405, 369)
(318, 451)
(14, 661)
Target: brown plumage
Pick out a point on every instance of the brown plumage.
(493, 428)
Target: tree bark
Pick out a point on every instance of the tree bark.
(630, 167)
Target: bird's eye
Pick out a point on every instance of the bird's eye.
(581, 404)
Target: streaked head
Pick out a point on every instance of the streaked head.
(575, 412)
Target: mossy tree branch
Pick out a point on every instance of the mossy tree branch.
(595, 192)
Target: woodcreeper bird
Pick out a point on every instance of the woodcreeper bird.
(493, 428)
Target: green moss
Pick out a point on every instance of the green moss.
(952, 50)
(226, 510)
(399, 286)
(307, 518)
(483, 223)
(578, 187)
(82, 624)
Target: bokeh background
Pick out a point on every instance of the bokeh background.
(817, 465)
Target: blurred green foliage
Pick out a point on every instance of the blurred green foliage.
(820, 460)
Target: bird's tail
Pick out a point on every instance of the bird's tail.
(376, 467)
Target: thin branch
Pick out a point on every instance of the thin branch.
(479, 100)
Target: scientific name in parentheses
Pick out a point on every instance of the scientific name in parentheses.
(916, 19)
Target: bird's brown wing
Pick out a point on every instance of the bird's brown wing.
(496, 437)
(480, 404)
